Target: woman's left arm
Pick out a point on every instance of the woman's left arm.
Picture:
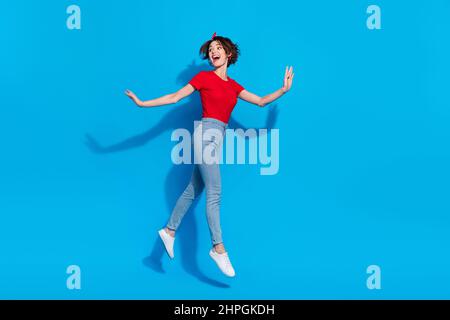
(262, 101)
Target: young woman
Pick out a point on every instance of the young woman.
(219, 95)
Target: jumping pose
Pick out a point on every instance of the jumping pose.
(219, 95)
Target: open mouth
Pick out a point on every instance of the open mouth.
(215, 58)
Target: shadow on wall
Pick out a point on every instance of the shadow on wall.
(181, 116)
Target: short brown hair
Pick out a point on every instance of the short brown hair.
(228, 45)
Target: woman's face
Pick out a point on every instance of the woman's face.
(217, 54)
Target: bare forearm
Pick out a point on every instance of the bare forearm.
(164, 100)
(271, 97)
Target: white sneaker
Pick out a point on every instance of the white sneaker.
(168, 241)
(223, 262)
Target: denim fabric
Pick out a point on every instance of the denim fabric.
(206, 173)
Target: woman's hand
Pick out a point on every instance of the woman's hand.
(133, 97)
(288, 77)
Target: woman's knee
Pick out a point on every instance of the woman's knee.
(189, 192)
(214, 190)
(192, 191)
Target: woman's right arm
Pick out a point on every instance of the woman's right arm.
(164, 100)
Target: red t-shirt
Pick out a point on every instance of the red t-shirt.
(218, 96)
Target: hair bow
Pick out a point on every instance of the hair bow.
(213, 35)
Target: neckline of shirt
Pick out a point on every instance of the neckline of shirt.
(220, 77)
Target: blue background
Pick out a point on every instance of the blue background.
(86, 177)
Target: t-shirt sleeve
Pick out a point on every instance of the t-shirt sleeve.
(238, 87)
(197, 81)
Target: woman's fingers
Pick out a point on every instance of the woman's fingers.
(288, 73)
(129, 93)
(288, 76)
(291, 75)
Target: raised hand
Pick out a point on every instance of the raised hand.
(133, 97)
(288, 77)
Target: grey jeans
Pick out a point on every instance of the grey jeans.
(206, 173)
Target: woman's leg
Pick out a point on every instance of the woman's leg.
(211, 178)
(193, 189)
(210, 172)
(212, 138)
